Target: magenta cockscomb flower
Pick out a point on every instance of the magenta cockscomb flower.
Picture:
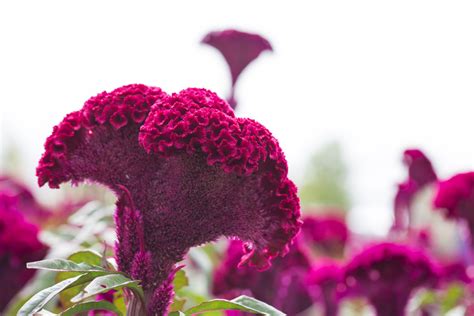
(27, 203)
(283, 285)
(387, 274)
(328, 233)
(420, 174)
(239, 50)
(19, 244)
(456, 197)
(186, 171)
(326, 285)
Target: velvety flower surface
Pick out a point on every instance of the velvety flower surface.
(456, 197)
(186, 171)
(283, 285)
(329, 233)
(239, 50)
(19, 244)
(27, 204)
(326, 285)
(420, 174)
(386, 274)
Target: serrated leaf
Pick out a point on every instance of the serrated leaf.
(63, 265)
(90, 306)
(260, 306)
(106, 283)
(40, 299)
(219, 305)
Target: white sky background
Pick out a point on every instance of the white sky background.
(379, 76)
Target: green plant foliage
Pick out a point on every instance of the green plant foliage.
(241, 303)
(326, 177)
(90, 306)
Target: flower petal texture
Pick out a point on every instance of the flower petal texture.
(456, 197)
(420, 174)
(19, 244)
(185, 170)
(239, 50)
(328, 233)
(283, 285)
(387, 273)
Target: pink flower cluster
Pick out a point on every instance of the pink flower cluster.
(186, 171)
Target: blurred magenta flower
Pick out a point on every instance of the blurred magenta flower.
(19, 244)
(239, 50)
(420, 174)
(283, 285)
(456, 197)
(328, 233)
(108, 297)
(386, 274)
(24, 199)
(186, 171)
(326, 285)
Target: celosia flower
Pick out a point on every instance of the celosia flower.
(239, 50)
(190, 173)
(283, 285)
(420, 174)
(326, 285)
(456, 197)
(328, 233)
(27, 204)
(386, 274)
(19, 244)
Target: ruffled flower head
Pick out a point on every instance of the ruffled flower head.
(326, 284)
(185, 170)
(420, 174)
(283, 285)
(19, 244)
(456, 197)
(328, 233)
(386, 274)
(239, 50)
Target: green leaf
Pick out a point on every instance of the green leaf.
(106, 283)
(180, 280)
(178, 313)
(241, 303)
(40, 299)
(85, 256)
(260, 306)
(63, 265)
(90, 306)
(218, 305)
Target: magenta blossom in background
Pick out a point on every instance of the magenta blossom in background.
(386, 274)
(328, 233)
(283, 285)
(239, 50)
(456, 197)
(186, 171)
(326, 285)
(27, 204)
(19, 244)
(420, 174)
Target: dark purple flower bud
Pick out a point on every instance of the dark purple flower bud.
(456, 197)
(386, 274)
(25, 200)
(326, 284)
(19, 244)
(283, 285)
(239, 50)
(420, 174)
(190, 174)
(327, 233)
